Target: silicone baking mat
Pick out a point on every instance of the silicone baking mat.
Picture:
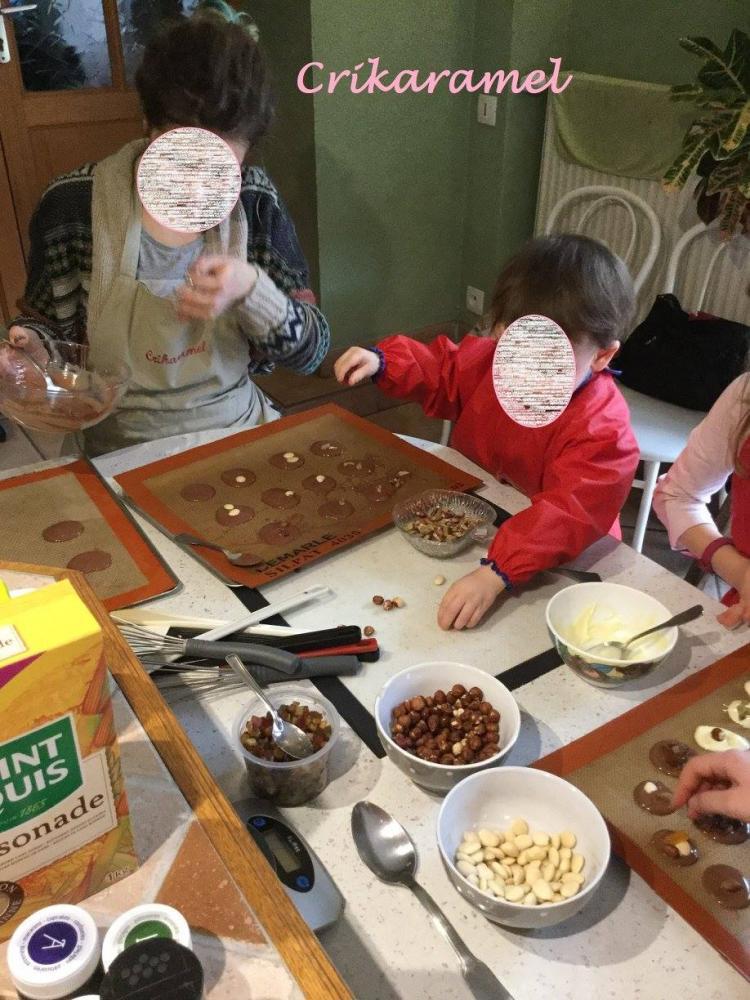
(73, 504)
(611, 761)
(304, 486)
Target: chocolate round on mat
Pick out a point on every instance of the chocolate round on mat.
(197, 492)
(326, 449)
(238, 477)
(278, 532)
(319, 483)
(723, 829)
(670, 756)
(676, 846)
(62, 531)
(287, 460)
(377, 492)
(230, 518)
(336, 510)
(358, 467)
(93, 561)
(728, 886)
(280, 499)
(656, 800)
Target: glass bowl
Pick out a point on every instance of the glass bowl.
(406, 512)
(69, 393)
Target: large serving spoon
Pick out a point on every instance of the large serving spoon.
(287, 737)
(614, 647)
(389, 852)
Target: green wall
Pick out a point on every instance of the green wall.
(288, 152)
(637, 39)
(391, 169)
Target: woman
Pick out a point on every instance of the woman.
(192, 314)
(718, 448)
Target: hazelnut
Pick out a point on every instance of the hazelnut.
(377, 599)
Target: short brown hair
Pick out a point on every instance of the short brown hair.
(208, 72)
(575, 281)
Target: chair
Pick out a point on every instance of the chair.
(662, 429)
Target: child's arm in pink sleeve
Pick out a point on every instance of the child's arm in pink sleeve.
(583, 491)
(703, 467)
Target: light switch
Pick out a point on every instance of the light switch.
(487, 109)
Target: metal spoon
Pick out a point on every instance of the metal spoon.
(614, 645)
(238, 558)
(287, 737)
(388, 851)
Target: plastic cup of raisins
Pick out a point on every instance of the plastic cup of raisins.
(287, 782)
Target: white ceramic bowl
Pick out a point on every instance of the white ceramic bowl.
(424, 679)
(637, 612)
(493, 799)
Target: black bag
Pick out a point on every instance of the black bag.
(681, 358)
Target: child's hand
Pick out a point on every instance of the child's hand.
(468, 600)
(716, 783)
(214, 284)
(739, 612)
(355, 365)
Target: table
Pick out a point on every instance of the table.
(627, 942)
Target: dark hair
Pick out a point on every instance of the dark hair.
(207, 71)
(575, 281)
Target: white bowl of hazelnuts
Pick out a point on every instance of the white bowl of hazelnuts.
(439, 722)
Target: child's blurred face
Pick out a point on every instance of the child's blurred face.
(589, 357)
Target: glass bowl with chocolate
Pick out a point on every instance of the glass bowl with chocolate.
(442, 523)
(439, 722)
(271, 773)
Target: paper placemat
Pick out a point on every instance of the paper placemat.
(302, 487)
(67, 517)
(610, 762)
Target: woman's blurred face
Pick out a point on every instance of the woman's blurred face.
(240, 149)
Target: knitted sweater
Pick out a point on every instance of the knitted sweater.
(55, 303)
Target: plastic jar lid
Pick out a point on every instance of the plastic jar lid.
(53, 952)
(142, 923)
(159, 969)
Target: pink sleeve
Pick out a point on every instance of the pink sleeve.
(703, 467)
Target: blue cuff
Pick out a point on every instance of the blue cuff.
(496, 569)
(381, 362)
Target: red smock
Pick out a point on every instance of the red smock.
(576, 471)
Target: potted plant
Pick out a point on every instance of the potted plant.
(717, 145)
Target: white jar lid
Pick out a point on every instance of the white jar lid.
(142, 923)
(53, 952)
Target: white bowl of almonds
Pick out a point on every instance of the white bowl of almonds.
(524, 847)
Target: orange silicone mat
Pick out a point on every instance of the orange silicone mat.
(75, 493)
(367, 471)
(608, 763)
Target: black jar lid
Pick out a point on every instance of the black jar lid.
(159, 969)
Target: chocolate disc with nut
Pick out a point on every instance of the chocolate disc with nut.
(677, 846)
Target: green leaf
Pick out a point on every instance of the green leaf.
(693, 147)
(743, 184)
(686, 92)
(720, 70)
(732, 212)
(741, 125)
(725, 176)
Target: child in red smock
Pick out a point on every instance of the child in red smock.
(576, 471)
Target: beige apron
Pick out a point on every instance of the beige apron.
(185, 377)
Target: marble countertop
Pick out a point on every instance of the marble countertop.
(627, 942)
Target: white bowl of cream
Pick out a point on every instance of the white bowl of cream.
(589, 614)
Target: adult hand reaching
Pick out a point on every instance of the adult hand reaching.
(716, 783)
(214, 284)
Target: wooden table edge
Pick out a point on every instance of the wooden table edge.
(298, 946)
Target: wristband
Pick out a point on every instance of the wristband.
(381, 362)
(496, 569)
(710, 551)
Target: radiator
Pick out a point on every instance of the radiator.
(728, 293)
